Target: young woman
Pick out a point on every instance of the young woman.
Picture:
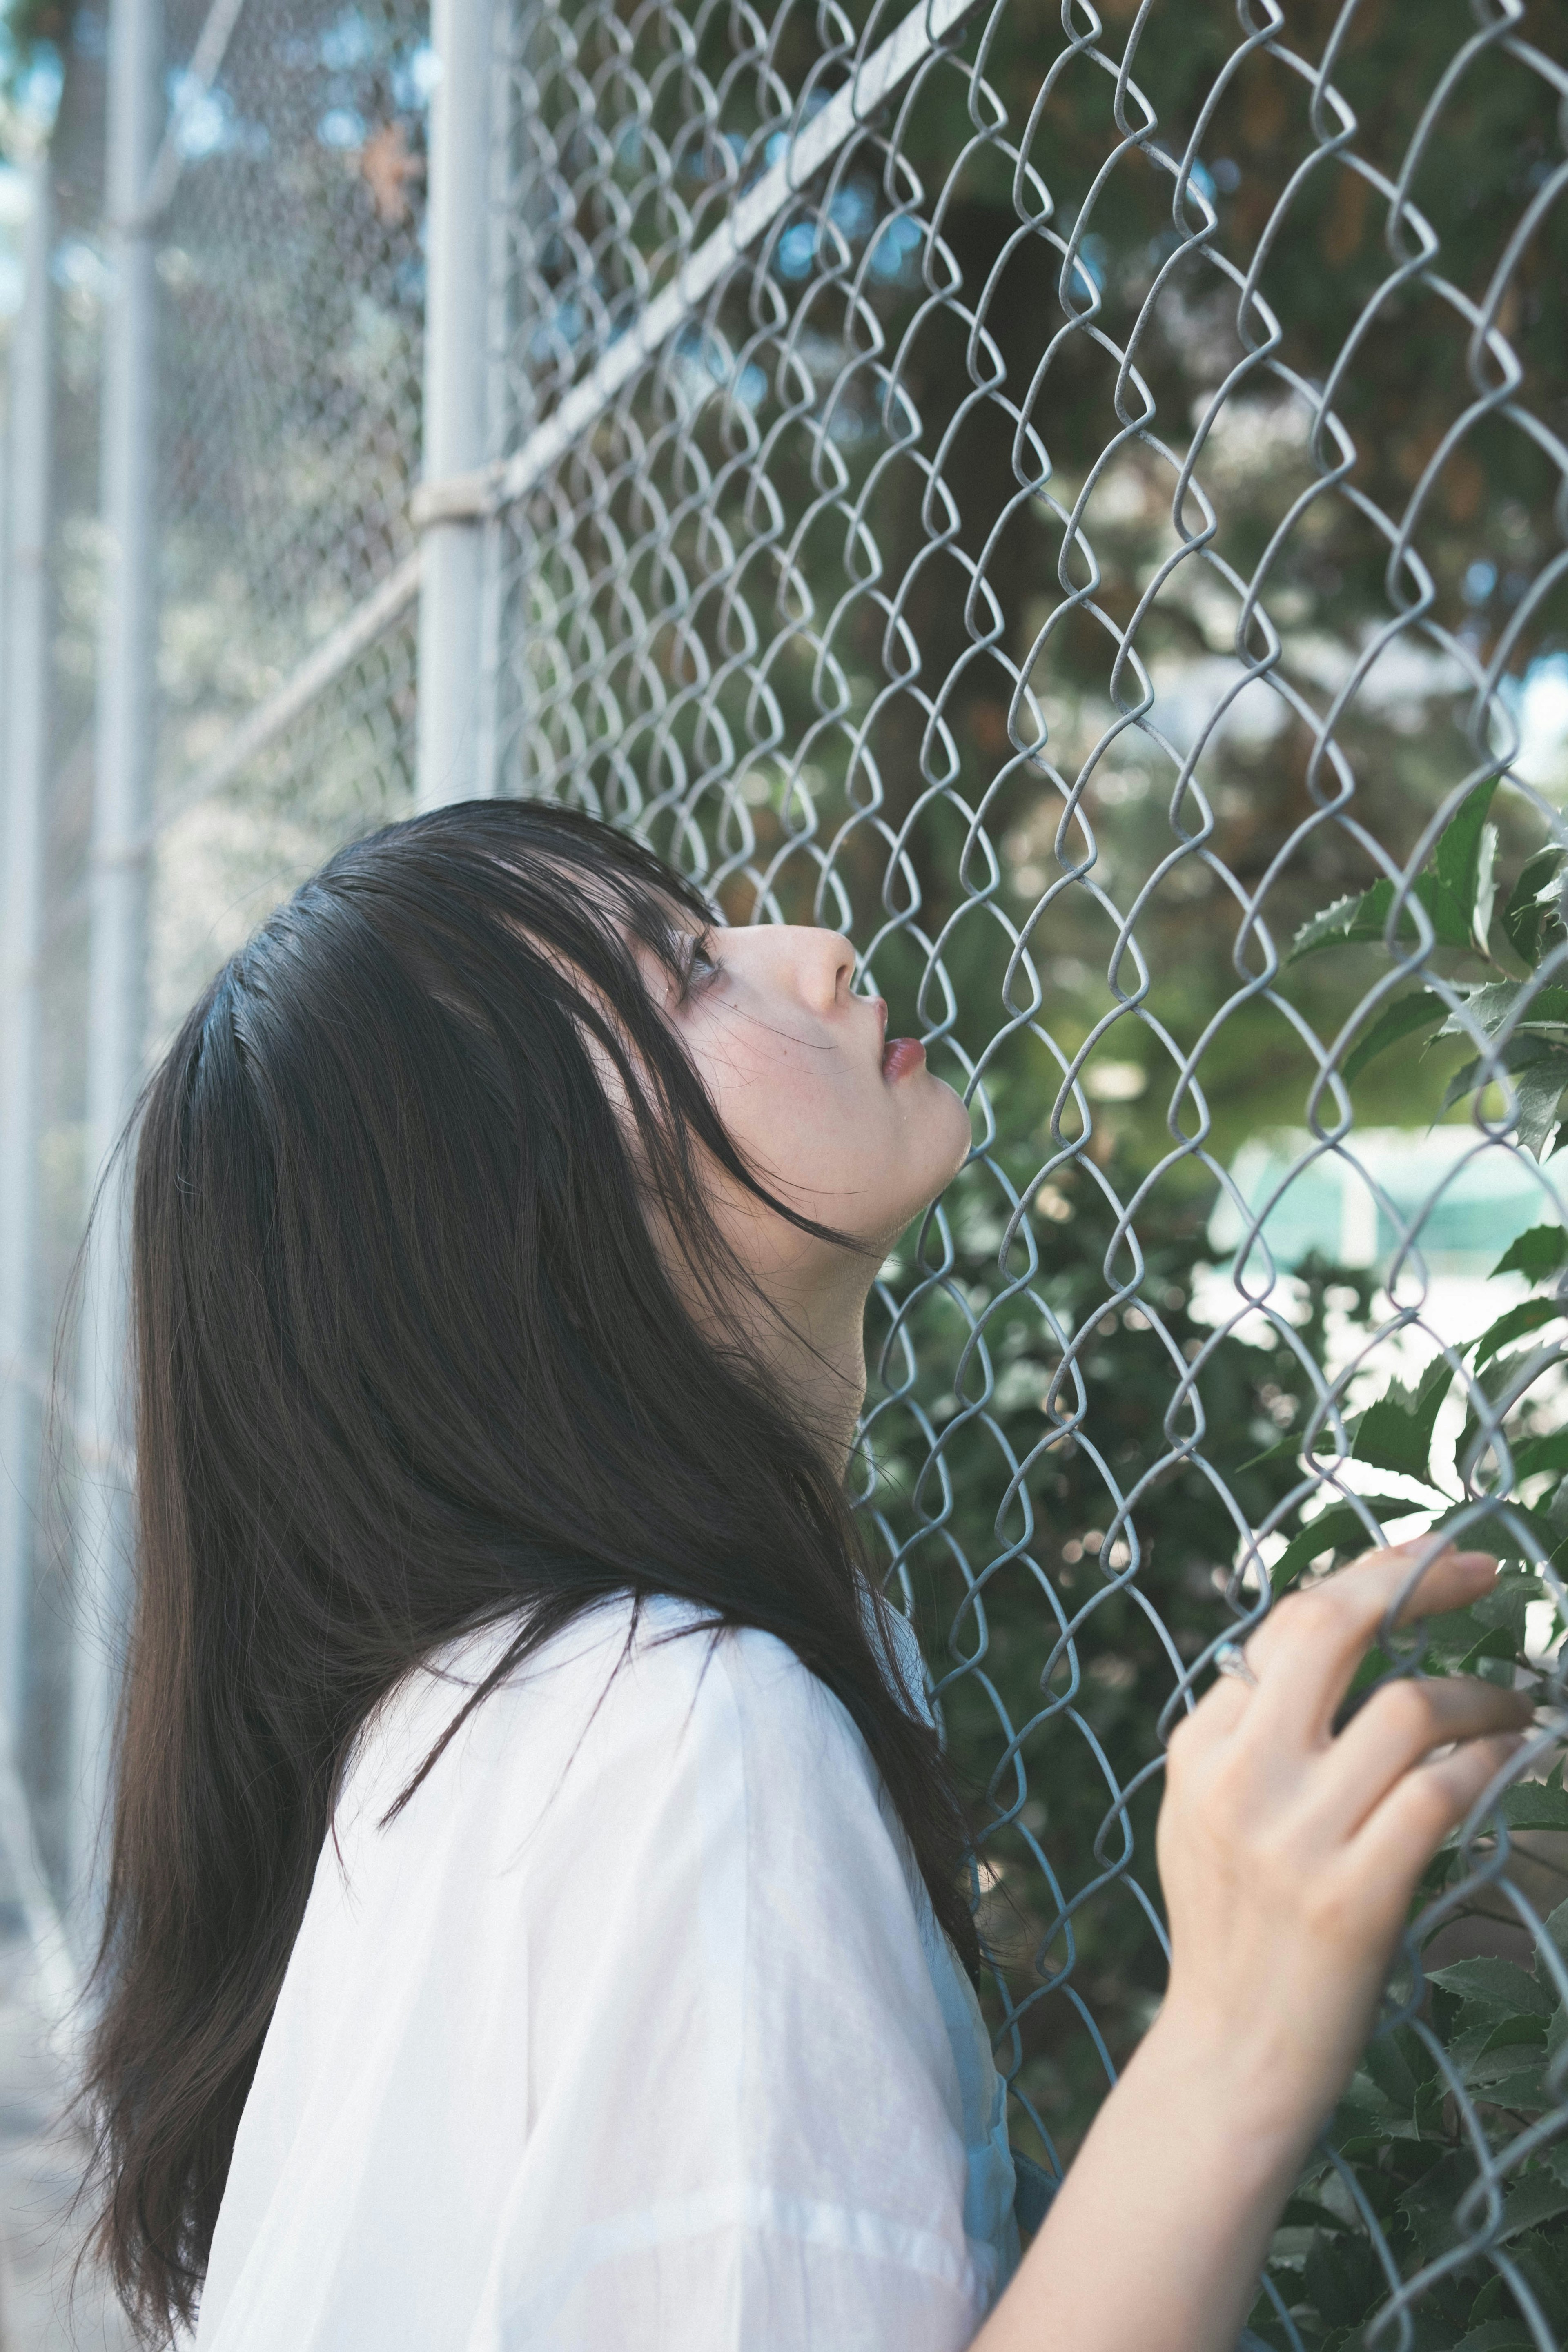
(537, 1913)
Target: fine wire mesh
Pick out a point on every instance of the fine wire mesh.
(291, 277)
(1005, 561)
(288, 339)
(1111, 508)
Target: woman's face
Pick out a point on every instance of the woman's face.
(847, 1126)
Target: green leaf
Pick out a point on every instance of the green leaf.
(1529, 1316)
(1535, 1454)
(1496, 1985)
(1339, 1528)
(1493, 1008)
(1344, 2278)
(1450, 916)
(1497, 1648)
(1523, 2089)
(1538, 1069)
(1542, 1250)
(1532, 910)
(1406, 1014)
(1540, 2260)
(1556, 1926)
(1483, 896)
(1394, 1432)
(1508, 1601)
(1532, 1805)
(1428, 2206)
(1399, 2065)
(1454, 1635)
(1464, 1080)
(1496, 2335)
(1459, 854)
(1346, 919)
(1535, 2199)
(1364, 921)
(1539, 1094)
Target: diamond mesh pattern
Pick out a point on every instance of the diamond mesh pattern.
(1070, 498)
(292, 277)
(1112, 513)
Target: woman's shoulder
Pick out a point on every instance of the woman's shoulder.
(617, 1692)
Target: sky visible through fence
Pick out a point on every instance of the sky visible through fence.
(1079, 501)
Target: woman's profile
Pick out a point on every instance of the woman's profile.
(539, 1912)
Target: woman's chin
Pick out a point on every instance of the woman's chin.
(940, 1138)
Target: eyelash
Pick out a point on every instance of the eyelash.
(695, 948)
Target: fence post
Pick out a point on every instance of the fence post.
(455, 319)
(116, 985)
(24, 700)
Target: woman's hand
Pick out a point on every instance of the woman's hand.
(1288, 1855)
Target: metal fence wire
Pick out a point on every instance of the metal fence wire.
(1080, 502)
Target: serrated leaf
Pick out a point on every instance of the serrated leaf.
(1346, 919)
(1531, 1805)
(1538, 1093)
(1540, 1540)
(1402, 1018)
(1364, 921)
(1537, 2198)
(1532, 908)
(1541, 1251)
(1337, 1529)
(1493, 1008)
(1508, 1603)
(1500, 1387)
(1394, 1432)
(1527, 1316)
(1556, 1926)
(1496, 1985)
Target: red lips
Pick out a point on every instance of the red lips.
(903, 1055)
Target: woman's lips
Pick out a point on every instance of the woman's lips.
(903, 1055)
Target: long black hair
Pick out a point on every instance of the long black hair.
(410, 1361)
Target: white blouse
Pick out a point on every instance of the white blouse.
(634, 2029)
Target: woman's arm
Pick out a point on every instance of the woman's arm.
(1288, 1856)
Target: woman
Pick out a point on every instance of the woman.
(537, 1910)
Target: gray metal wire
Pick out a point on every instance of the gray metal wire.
(708, 623)
(916, 500)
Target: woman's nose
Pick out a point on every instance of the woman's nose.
(826, 965)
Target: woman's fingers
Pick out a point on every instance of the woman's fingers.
(1400, 1836)
(1398, 1727)
(1306, 1650)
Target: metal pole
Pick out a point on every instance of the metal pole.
(117, 882)
(451, 586)
(23, 701)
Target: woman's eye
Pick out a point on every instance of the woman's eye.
(697, 962)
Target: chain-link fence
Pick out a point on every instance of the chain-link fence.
(1080, 502)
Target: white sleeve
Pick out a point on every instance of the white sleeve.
(747, 2131)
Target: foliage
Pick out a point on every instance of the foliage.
(1056, 1550)
(1407, 2150)
(1059, 1548)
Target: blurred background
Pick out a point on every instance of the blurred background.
(1106, 511)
